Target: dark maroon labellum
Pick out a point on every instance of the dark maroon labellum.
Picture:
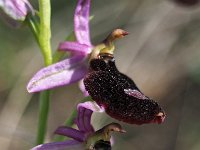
(118, 94)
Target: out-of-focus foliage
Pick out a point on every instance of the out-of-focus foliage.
(161, 54)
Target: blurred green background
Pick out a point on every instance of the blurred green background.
(161, 54)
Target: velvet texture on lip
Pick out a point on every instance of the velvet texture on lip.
(118, 94)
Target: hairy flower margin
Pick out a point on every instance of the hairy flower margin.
(16, 9)
(73, 68)
(85, 137)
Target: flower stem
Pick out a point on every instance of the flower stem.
(45, 46)
(45, 30)
(43, 116)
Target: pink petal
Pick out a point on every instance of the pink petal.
(87, 121)
(85, 111)
(135, 93)
(70, 132)
(16, 9)
(83, 120)
(91, 105)
(81, 22)
(66, 145)
(75, 47)
(82, 88)
(62, 73)
(79, 120)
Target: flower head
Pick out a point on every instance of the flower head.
(16, 9)
(85, 137)
(71, 69)
(111, 89)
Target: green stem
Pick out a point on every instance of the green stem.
(43, 116)
(45, 30)
(70, 120)
(45, 46)
(42, 34)
(45, 95)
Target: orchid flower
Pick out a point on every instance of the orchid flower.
(16, 9)
(71, 69)
(85, 137)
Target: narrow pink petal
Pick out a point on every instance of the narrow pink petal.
(80, 121)
(87, 121)
(61, 73)
(84, 120)
(66, 145)
(85, 111)
(75, 47)
(70, 132)
(135, 93)
(81, 22)
(82, 88)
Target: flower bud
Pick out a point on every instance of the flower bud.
(16, 9)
